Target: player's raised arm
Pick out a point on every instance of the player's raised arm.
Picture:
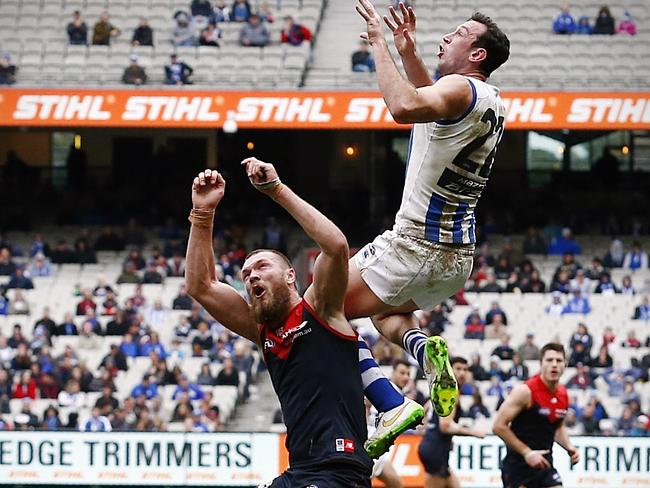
(331, 267)
(219, 299)
(403, 29)
(448, 99)
(517, 401)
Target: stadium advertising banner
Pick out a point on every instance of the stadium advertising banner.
(298, 110)
(604, 461)
(70, 458)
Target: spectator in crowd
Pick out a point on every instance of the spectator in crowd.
(265, 13)
(577, 304)
(583, 336)
(477, 370)
(177, 72)
(19, 305)
(83, 253)
(615, 256)
(528, 350)
(221, 12)
(578, 355)
(67, 327)
(636, 258)
(210, 35)
(86, 303)
(569, 265)
(518, 369)
(584, 26)
(151, 344)
(39, 246)
(240, 11)
(626, 286)
(88, 340)
(477, 409)
(26, 419)
(46, 323)
(135, 258)
(534, 242)
(491, 285)
(495, 309)
(152, 276)
(253, 33)
(496, 329)
(193, 391)
(104, 31)
(561, 283)
(228, 375)
(508, 251)
(583, 379)
(71, 396)
(51, 420)
(183, 34)
(564, 23)
(496, 386)
(116, 358)
(40, 266)
(203, 337)
(608, 336)
(581, 282)
(503, 269)
(147, 388)
(129, 275)
(642, 312)
(631, 340)
(19, 280)
(627, 25)
(504, 350)
(77, 30)
(96, 423)
(603, 359)
(605, 285)
(106, 403)
(142, 34)
(556, 307)
(629, 393)
(205, 377)
(589, 421)
(134, 74)
(183, 328)
(129, 347)
(565, 244)
(604, 22)
(294, 34)
(183, 301)
(62, 253)
(4, 301)
(7, 266)
(534, 284)
(7, 70)
(596, 270)
(110, 306)
(26, 387)
(201, 11)
(109, 240)
(362, 60)
(176, 265)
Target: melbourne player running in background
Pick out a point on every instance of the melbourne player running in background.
(437, 440)
(458, 123)
(531, 420)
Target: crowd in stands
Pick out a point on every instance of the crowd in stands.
(604, 23)
(7, 70)
(29, 370)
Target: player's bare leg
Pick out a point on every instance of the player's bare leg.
(431, 481)
(390, 477)
(399, 325)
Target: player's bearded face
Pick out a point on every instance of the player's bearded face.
(272, 307)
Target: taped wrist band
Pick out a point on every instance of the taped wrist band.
(201, 218)
(269, 184)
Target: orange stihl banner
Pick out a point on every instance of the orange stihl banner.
(297, 110)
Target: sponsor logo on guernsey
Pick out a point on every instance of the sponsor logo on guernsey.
(344, 445)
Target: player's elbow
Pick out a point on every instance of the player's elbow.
(195, 287)
(338, 246)
(498, 428)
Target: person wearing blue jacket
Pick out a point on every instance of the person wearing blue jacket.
(564, 23)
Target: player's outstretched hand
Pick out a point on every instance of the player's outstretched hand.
(536, 459)
(208, 189)
(374, 28)
(575, 455)
(263, 176)
(403, 28)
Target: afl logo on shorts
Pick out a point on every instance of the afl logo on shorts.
(369, 251)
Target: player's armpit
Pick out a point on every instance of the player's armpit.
(448, 99)
(518, 400)
(229, 308)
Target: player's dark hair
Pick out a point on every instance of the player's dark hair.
(273, 251)
(458, 359)
(404, 362)
(495, 43)
(552, 346)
